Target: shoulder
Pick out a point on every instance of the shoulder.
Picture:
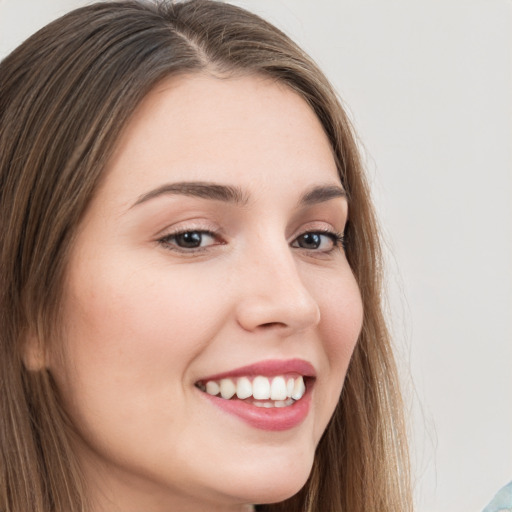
(502, 502)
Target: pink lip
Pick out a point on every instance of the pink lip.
(268, 368)
(272, 419)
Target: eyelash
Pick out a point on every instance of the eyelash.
(169, 240)
(337, 239)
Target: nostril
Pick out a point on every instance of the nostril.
(272, 324)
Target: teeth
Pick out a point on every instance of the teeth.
(298, 389)
(277, 403)
(289, 387)
(265, 405)
(212, 388)
(261, 388)
(278, 389)
(283, 391)
(243, 388)
(227, 388)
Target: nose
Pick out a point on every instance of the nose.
(275, 295)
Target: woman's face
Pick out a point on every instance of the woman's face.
(209, 258)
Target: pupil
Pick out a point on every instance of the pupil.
(189, 240)
(310, 241)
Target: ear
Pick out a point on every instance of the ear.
(33, 353)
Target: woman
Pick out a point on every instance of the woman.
(190, 289)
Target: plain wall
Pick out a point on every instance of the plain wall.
(428, 85)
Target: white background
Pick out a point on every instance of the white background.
(429, 88)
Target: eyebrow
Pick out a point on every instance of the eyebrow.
(203, 190)
(233, 194)
(321, 194)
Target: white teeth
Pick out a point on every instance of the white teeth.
(227, 388)
(212, 388)
(266, 405)
(283, 391)
(243, 388)
(289, 387)
(278, 389)
(277, 403)
(298, 389)
(261, 388)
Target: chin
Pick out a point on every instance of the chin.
(271, 483)
(277, 492)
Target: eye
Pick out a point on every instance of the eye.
(189, 240)
(322, 241)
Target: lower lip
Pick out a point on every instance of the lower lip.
(274, 418)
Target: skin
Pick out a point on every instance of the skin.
(145, 319)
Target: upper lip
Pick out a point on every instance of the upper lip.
(268, 368)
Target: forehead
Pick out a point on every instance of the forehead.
(250, 130)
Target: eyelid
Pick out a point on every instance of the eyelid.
(165, 242)
(207, 228)
(197, 224)
(323, 227)
(319, 227)
(337, 239)
(203, 226)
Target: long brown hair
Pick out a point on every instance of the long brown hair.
(65, 95)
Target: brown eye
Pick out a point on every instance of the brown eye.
(189, 240)
(318, 241)
(309, 241)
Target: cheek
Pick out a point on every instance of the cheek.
(341, 319)
(129, 340)
(122, 322)
(341, 322)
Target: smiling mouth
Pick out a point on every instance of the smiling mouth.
(260, 391)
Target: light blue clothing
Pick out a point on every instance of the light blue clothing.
(502, 502)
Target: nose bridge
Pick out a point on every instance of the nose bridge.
(275, 294)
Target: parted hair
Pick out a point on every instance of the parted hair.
(65, 95)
